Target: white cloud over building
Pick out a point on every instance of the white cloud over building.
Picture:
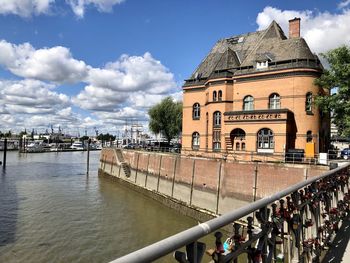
(322, 30)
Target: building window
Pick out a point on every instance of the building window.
(248, 103)
(309, 136)
(196, 112)
(237, 146)
(265, 140)
(308, 102)
(217, 146)
(262, 64)
(219, 95)
(217, 119)
(237, 136)
(274, 101)
(243, 146)
(195, 141)
(216, 140)
(214, 96)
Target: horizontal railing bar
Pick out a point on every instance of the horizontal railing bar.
(172, 243)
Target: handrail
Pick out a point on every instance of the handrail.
(172, 243)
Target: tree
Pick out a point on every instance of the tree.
(337, 77)
(166, 118)
(106, 137)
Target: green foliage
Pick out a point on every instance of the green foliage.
(166, 118)
(338, 77)
(84, 138)
(7, 134)
(106, 137)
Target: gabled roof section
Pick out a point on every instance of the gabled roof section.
(274, 31)
(243, 51)
(229, 59)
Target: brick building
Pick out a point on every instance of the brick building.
(254, 93)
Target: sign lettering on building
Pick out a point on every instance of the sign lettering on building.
(256, 117)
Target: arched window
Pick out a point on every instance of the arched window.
(274, 101)
(248, 103)
(195, 141)
(237, 136)
(308, 102)
(219, 95)
(214, 96)
(217, 119)
(237, 146)
(265, 139)
(196, 111)
(309, 136)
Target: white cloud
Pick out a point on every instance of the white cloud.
(144, 100)
(139, 81)
(25, 8)
(124, 89)
(322, 30)
(97, 99)
(79, 6)
(133, 73)
(343, 4)
(30, 97)
(28, 8)
(50, 64)
(33, 104)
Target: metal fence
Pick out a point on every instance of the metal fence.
(293, 225)
(249, 156)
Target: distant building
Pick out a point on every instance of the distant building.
(254, 93)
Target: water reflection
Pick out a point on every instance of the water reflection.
(8, 209)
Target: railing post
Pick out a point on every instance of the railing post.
(147, 170)
(192, 181)
(4, 154)
(173, 183)
(218, 189)
(137, 166)
(88, 157)
(160, 166)
(112, 165)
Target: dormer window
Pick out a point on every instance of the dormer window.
(262, 64)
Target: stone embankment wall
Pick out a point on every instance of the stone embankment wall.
(211, 184)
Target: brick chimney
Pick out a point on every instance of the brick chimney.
(294, 28)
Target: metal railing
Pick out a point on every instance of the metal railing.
(299, 221)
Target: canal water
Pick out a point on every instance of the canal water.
(50, 211)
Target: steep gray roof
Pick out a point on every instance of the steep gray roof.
(243, 51)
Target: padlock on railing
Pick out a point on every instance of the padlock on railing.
(308, 223)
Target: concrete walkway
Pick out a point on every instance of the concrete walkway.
(340, 249)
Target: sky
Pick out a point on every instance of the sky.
(86, 65)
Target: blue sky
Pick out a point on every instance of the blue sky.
(81, 64)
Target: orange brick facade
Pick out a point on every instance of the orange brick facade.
(266, 111)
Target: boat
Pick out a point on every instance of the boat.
(35, 147)
(77, 145)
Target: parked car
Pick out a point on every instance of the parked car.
(345, 153)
